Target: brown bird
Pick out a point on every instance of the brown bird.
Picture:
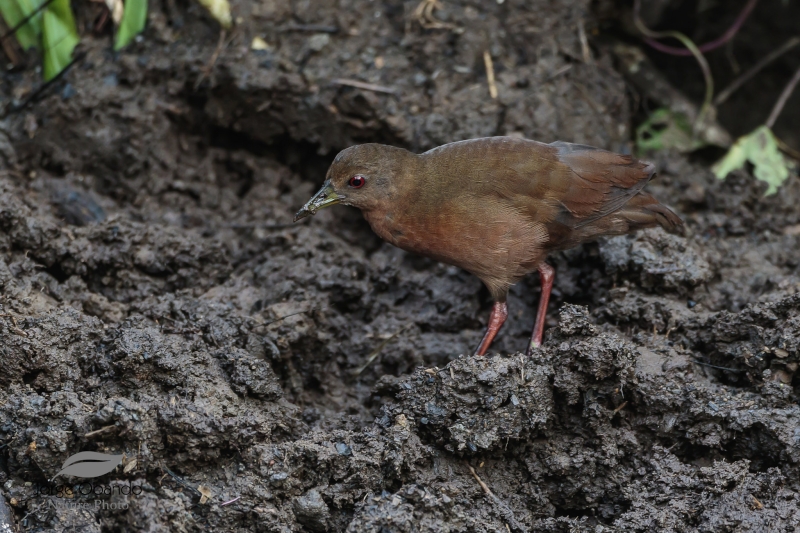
(495, 207)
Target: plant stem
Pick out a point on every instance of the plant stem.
(782, 99)
(729, 34)
(698, 55)
(755, 69)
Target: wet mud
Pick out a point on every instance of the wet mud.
(156, 301)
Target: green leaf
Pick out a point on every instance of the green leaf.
(59, 37)
(133, 20)
(666, 129)
(14, 11)
(761, 149)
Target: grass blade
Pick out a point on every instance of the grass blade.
(59, 37)
(133, 20)
(14, 12)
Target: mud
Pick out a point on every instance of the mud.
(258, 375)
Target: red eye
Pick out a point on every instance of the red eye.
(357, 182)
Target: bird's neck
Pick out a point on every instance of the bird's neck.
(396, 209)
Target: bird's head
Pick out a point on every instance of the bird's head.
(361, 176)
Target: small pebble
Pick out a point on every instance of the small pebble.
(319, 41)
(278, 478)
(68, 92)
(110, 80)
(343, 449)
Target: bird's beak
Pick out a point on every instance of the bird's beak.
(325, 196)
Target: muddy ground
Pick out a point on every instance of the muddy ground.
(157, 301)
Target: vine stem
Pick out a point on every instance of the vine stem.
(755, 69)
(782, 99)
(695, 51)
(729, 34)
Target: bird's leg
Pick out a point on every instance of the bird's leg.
(496, 319)
(546, 274)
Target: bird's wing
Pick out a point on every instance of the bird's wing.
(570, 188)
(595, 183)
(566, 191)
(573, 184)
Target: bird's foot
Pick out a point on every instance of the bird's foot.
(534, 345)
(496, 319)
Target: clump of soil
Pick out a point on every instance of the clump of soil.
(157, 302)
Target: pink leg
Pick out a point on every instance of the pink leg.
(496, 320)
(546, 274)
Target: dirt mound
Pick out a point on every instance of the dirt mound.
(258, 375)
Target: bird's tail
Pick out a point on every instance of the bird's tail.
(644, 211)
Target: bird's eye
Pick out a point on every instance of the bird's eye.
(357, 182)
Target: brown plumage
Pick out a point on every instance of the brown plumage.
(495, 207)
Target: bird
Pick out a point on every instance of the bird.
(495, 206)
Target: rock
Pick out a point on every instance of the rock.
(312, 511)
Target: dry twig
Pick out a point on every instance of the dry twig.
(620, 408)
(586, 52)
(15, 328)
(709, 365)
(211, 62)
(788, 150)
(12, 49)
(96, 432)
(480, 481)
(755, 69)
(376, 352)
(487, 60)
(314, 28)
(424, 15)
(782, 99)
(364, 85)
(501, 508)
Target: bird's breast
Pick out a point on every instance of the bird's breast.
(401, 232)
(493, 244)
